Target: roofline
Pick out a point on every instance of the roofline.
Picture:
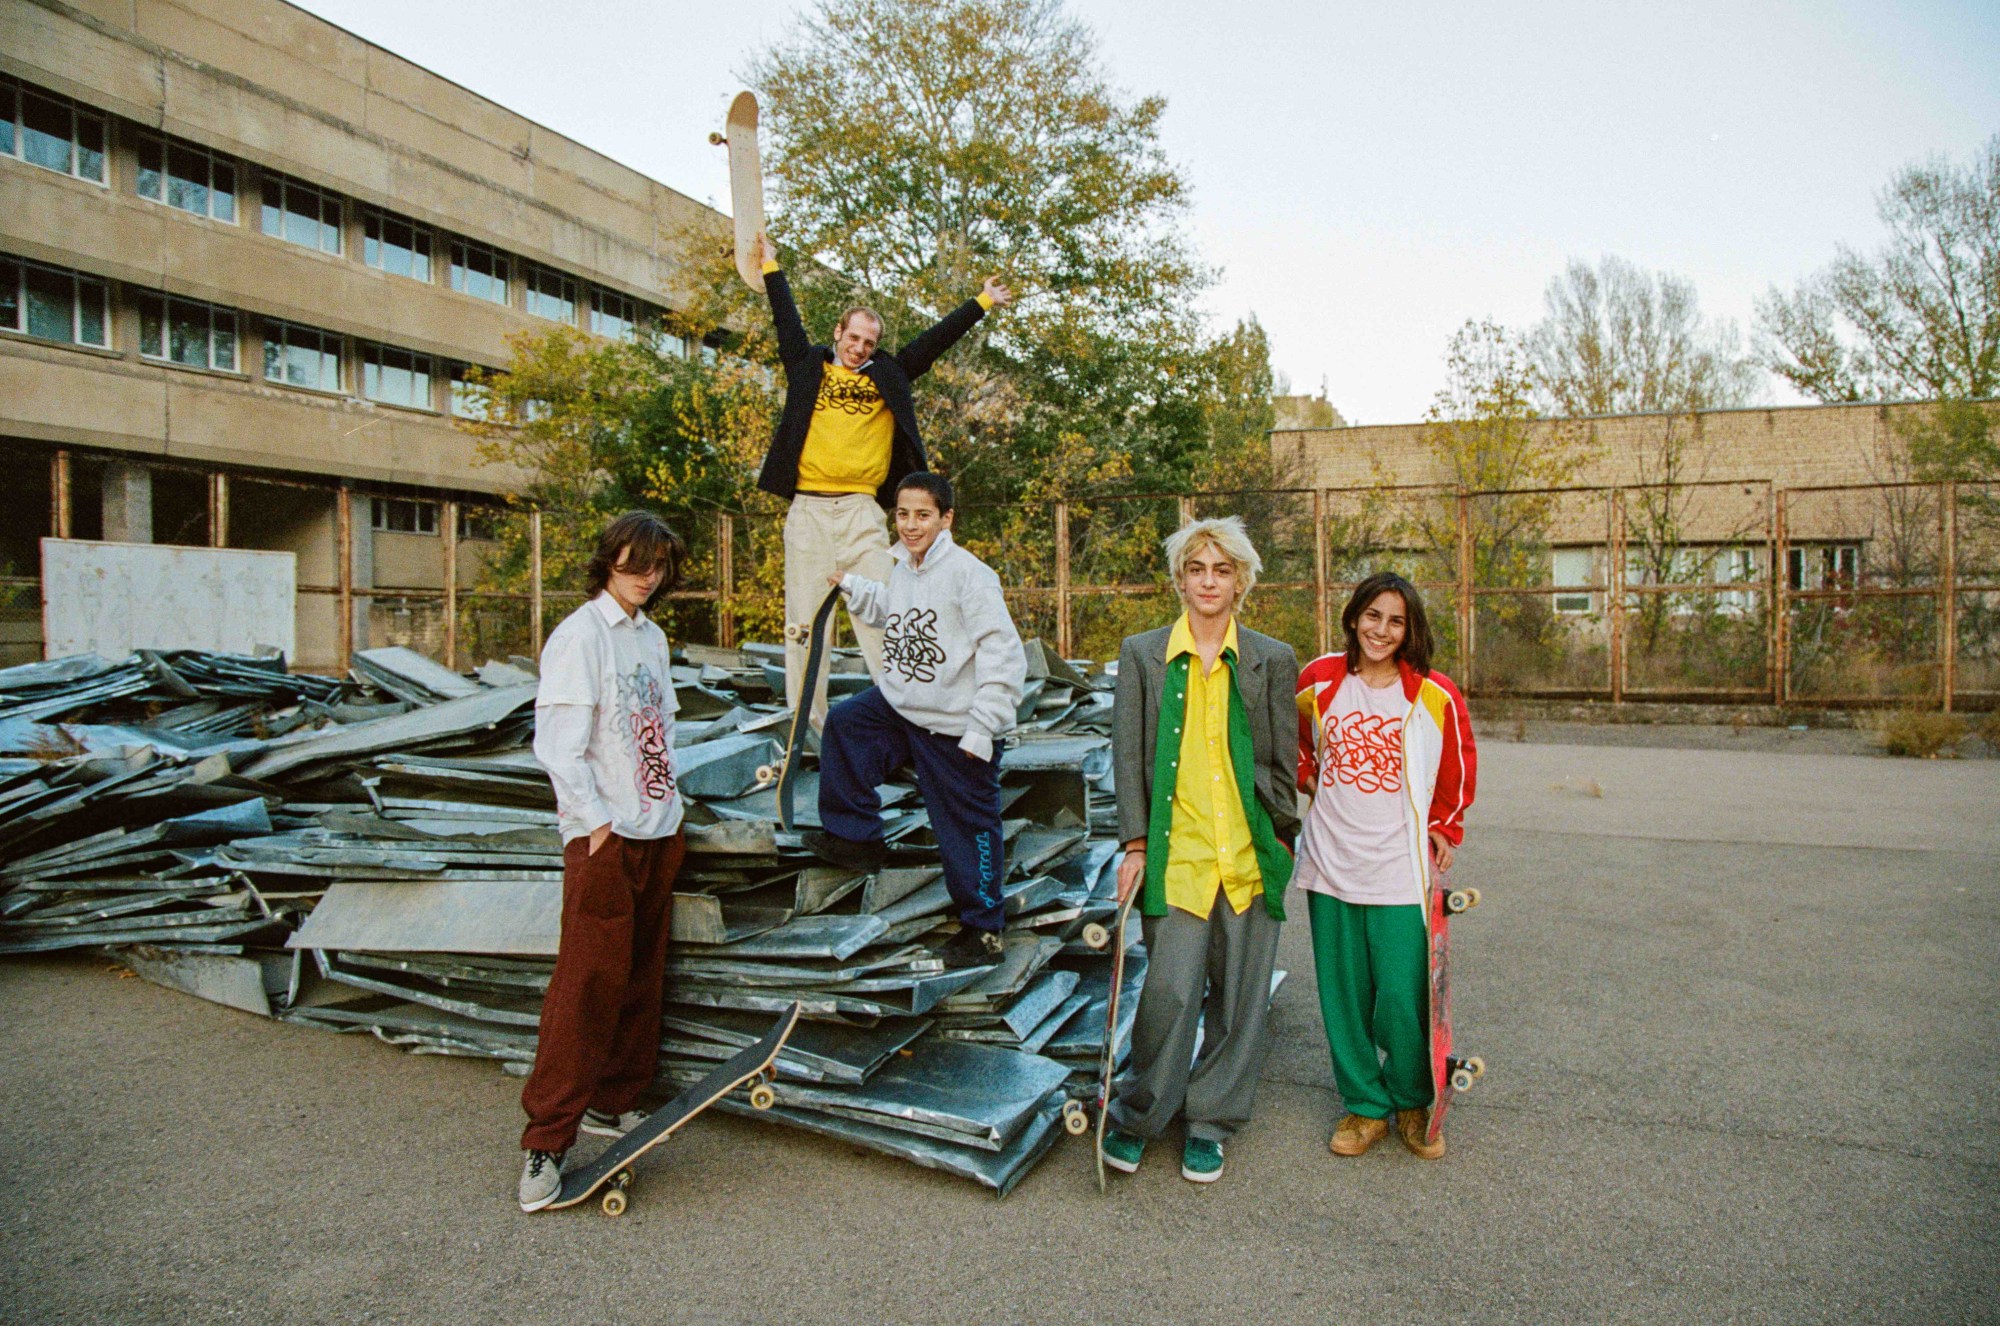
(1672, 414)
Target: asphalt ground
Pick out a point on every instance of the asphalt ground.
(1739, 1012)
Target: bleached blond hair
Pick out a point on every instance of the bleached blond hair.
(1227, 535)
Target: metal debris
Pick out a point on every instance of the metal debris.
(380, 854)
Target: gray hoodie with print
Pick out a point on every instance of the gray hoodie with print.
(952, 662)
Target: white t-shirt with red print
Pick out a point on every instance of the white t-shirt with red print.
(1353, 845)
(604, 723)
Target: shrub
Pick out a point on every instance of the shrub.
(1921, 735)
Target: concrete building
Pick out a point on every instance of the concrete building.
(245, 257)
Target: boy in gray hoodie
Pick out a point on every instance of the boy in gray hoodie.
(953, 671)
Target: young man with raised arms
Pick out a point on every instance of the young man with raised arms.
(847, 437)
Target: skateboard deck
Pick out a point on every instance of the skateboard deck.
(746, 186)
(1449, 1073)
(614, 1167)
(795, 737)
(1109, 1066)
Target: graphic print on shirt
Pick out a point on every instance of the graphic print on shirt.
(1364, 751)
(642, 709)
(849, 393)
(910, 645)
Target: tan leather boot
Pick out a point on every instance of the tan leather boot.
(1410, 1126)
(1357, 1132)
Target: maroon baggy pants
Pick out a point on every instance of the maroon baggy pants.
(600, 1032)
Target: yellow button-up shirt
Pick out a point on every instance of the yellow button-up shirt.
(1208, 842)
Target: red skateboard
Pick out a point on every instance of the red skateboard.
(1449, 1074)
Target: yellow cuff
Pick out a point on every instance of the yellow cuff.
(985, 301)
(770, 267)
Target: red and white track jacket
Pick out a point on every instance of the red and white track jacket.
(1439, 762)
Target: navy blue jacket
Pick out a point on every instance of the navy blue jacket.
(805, 367)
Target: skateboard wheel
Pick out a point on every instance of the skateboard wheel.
(762, 1097)
(1459, 900)
(770, 1073)
(614, 1202)
(1476, 1066)
(1462, 1080)
(716, 140)
(1474, 895)
(1095, 935)
(1075, 1121)
(768, 773)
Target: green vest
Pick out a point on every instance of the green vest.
(1274, 863)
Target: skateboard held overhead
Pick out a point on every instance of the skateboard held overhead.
(746, 186)
(614, 1167)
(1449, 1073)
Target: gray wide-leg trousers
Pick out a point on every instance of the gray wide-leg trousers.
(1221, 968)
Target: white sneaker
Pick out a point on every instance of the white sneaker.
(612, 1125)
(541, 1179)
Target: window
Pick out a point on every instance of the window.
(668, 343)
(191, 178)
(396, 377)
(183, 331)
(550, 293)
(53, 303)
(613, 314)
(296, 211)
(478, 270)
(478, 522)
(301, 356)
(468, 401)
(1827, 566)
(53, 132)
(402, 515)
(1569, 567)
(396, 245)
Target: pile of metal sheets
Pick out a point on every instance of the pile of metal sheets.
(380, 854)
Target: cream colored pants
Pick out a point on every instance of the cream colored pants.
(829, 536)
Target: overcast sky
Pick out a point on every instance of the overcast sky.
(1368, 175)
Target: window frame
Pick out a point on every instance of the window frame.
(419, 510)
(373, 355)
(375, 219)
(213, 312)
(14, 94)
(1564, 603)
(286, 185)
(278, 332)
(530, 292)
(461, 248)
(630, 324)
(21, 325)
(167, 144)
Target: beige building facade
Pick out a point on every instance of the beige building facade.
(245, 260)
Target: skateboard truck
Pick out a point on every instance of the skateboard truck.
(1464, 1072)
(1461, 900)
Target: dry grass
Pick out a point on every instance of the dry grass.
(1922, 735)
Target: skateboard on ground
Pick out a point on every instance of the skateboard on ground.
(787, 772)
(614, 1167)
(1076, 1120)
(1449, 1074)
(746, 185)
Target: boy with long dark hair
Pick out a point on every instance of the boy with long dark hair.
(1386, 755)
(604, 731)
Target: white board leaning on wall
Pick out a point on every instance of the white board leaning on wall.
(112, 598)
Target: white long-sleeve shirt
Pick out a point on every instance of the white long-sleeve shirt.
(604, 724)
(952, 662)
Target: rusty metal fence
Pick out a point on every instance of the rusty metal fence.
(1877, 595)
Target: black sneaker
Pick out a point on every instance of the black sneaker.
(972, 948)
(845, 852)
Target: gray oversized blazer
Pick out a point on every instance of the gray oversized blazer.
(1267, 674)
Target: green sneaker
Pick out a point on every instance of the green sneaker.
(1122, 1150)
(1201, 1160)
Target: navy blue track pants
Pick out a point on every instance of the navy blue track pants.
(864, 742)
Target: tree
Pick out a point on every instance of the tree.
(916, 144)
(1919, 318)
(1620, 340)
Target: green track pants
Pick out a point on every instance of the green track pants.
(1374, 977)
